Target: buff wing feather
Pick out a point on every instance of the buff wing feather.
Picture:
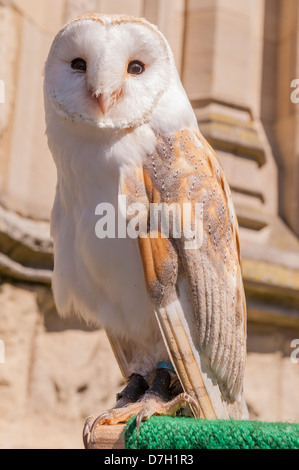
(197, 293)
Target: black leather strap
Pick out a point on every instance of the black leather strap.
(160, 385)
(135, 388)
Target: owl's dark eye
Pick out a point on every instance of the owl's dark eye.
(136, 67)
(79, 64)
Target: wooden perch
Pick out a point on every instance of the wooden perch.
(167, 432)
(108, 437)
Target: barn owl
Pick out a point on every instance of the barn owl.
(122, 132)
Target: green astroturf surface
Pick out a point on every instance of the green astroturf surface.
(164, 432)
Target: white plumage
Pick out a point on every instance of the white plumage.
(107, 128)
(103, 281)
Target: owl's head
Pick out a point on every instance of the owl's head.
(108, 71)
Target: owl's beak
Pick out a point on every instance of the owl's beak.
(107, 101)
(103, 103)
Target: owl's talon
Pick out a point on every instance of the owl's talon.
(190, 401)
(139, 419)
(143, 415)
(100, 419)
(86, 430)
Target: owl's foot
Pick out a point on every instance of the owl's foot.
(152, 404)
(135, 388)
(156, 400)
(149, 405)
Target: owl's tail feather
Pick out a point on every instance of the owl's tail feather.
(192, 367)
(238, 409)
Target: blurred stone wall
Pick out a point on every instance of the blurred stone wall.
(237, 60)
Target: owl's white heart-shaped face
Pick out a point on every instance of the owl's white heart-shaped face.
(107, 72)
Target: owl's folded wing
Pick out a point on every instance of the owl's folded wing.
(191, 260)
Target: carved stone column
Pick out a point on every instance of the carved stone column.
(286, 124)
